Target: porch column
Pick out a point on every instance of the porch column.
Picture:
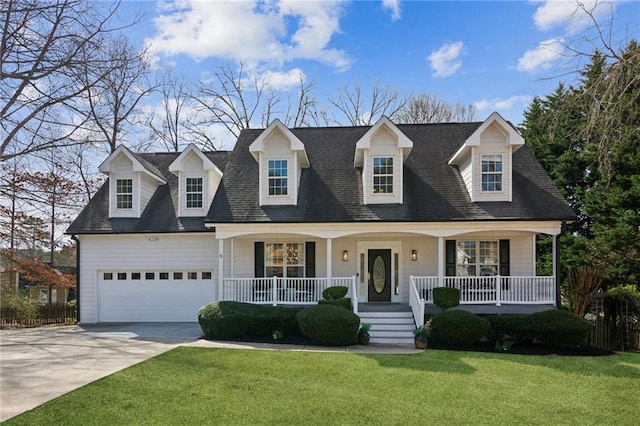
(220, 268)
(556, 264)
(329, 262)
(441, 250)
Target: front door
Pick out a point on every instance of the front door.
(379, 275)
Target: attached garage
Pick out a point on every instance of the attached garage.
(158, 296)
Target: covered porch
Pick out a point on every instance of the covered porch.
(492, 263)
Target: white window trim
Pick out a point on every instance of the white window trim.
(500, 173)
(285, 264)
(287, 177)
(187, 192)
(478, 265)
(124, 193)
(392, 175)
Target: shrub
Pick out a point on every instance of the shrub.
(226, 320)
(559, 328)
(344, 302)
(458, 328)
(515, 326)
(335, 292)
(623, 294)
(446, 297)
(329, 325)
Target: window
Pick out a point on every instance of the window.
(284, 260)
(122, 275)
(107, 276)
(135, 275)
(150, 276)
(164, 275)
(206, 275)
(177, 275)
(491, 173)
(192, 275)
(383, 175)
(477, 258)
(124, 193)
(194, 193)
(278, 182)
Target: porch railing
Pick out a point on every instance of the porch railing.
(416, 302)
(494, 290)
(284, 291)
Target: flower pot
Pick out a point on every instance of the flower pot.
(420, 342)
(363, 338)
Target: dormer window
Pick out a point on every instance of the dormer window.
(194, 193)
(278, 177)
(124, 193)
(491, 173)
(383, 175)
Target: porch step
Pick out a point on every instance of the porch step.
(389, 327)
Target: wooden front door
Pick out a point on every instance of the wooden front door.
(379, 268)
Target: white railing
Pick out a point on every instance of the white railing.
(416, 302)
(290, 291)
(494, 290)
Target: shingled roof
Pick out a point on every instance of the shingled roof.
(160, 215)
(331, 188)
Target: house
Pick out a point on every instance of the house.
(389, 211)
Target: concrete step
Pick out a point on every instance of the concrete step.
(399, 321)
(392, 341)
(385, 314)
(389, 327)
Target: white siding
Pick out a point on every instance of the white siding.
(466, 170)
(139, 253)
(148, 187)
(278, 147)
(492, 141)
(383, 144)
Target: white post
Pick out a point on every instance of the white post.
(498, 290)
(354, 295)
(329, 261)
(220, 269)
(554, 257)
(441, 250)
(274, 288)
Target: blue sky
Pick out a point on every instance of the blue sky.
(496, 55)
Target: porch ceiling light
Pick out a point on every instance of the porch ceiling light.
(414, 255)
(345, 256)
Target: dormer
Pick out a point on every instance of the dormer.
(381, 153)
(281, 157)
(198, 180)
(132, 182)
(485, 160)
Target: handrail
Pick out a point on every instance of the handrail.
(354, 295)
(416, 303)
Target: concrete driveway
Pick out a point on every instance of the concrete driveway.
(40, 364)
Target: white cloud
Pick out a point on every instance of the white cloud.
(394, 8)
(570, 14)
(284, 80)
(251, 31)
(444, 61)
(542, 57)
(502, 104)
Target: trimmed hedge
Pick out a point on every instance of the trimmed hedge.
(329, 325)
(559, 328)
(446, 297)
(335, 292)
(553, 327)
(458, 328)
(225, 320)
(344, 302)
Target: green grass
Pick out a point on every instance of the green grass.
(220, 386)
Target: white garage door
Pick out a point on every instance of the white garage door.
(153, 296)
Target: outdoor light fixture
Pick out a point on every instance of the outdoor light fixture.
(345, 256)
(414, 255)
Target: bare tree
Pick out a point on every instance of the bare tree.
(362, 108)
(427, 108)
(121, 82)
(168, 124)
(43, 46)
(239, 101)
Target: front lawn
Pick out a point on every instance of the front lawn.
(223, 386)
